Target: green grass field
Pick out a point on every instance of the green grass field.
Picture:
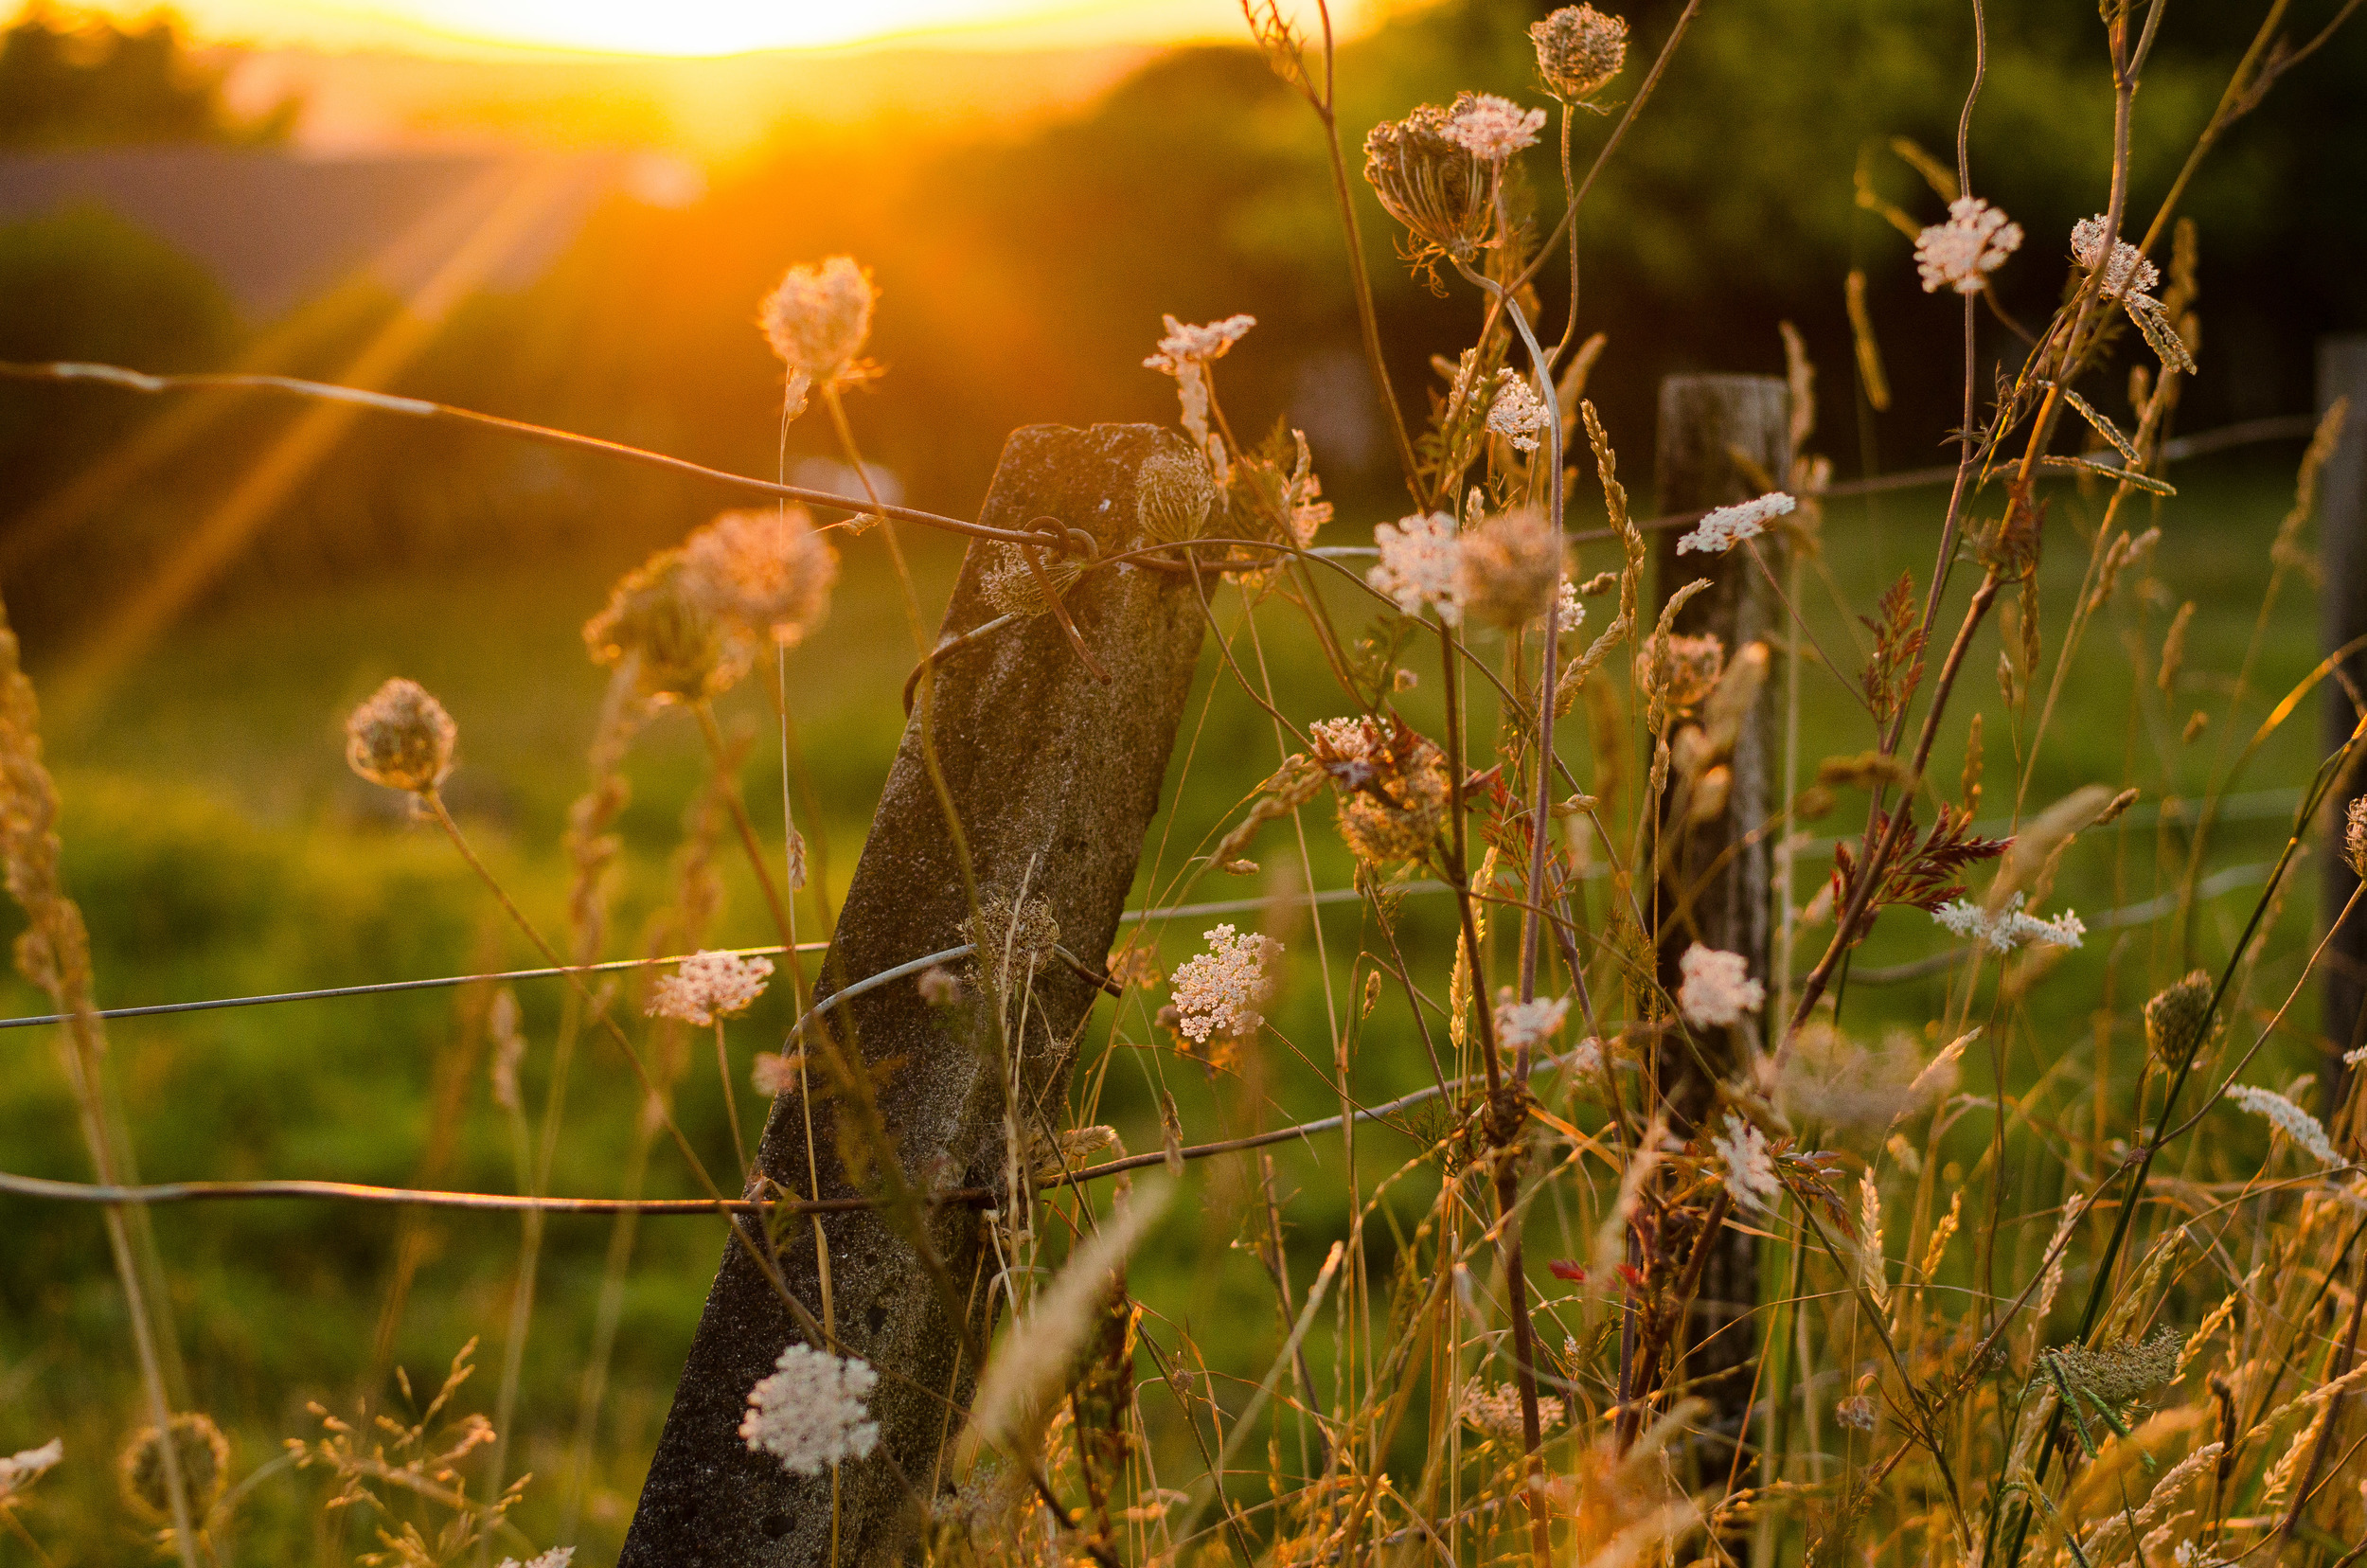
(220, 847)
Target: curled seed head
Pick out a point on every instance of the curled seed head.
(662, 623)
(401, 738)
(1429, 182)
(203, 1454)
(2179, 1018)
(1173, 495)
(1014, 939)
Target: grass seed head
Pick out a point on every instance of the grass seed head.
(401, 738)
(1578, 50)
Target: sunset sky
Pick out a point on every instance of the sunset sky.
(716, 26)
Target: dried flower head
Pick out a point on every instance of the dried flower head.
(1855, 1412)
(1007, 581)
(2178, 1017)
(2355, 837)
(1428, 180)
(2290, 1119)
(1015, 939)
(1492, 128)
(1750, 1178)
(1172, 497)
(1495, 1409)
(2128, 271)
(1832, 1081)
(1508, 569)
(1578, 50)
(203, 1453)
(1727, 527)
(1391, 782)
(662, 624)
(1421, 565)
(1717, 989)
(811, 1412)
(817, 320)
(1218, 993)
(1521, 1025)
(1961, 253)
(768, 571)
(27, 1466)
(1517, 413)
(2009, 928)
(708, 986)
(401, 738)
(1687, 669)
(2119, 1373)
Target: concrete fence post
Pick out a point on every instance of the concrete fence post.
(1055, 776)
(1712, 882)
(2342, 617)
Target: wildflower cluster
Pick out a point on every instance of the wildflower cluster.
(710, 985)
(812, 1412)
(2009, 928)
(1961, 253)
(1218, 993)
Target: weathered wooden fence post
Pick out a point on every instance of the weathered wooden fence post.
(1705, 422)
(1055, 776)
(2342, 616)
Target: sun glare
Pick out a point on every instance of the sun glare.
(703, 27)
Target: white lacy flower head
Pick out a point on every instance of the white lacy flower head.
(22, 1468)
(1490, 128)
(1587, 1057)
(1420, 565)
(1717, 988)
(2009, 928)
(1751, 1177)
(811, 1412)
(557, 1557)
(1186, 341)
(1568, 612)
(1186, 353)
(1517, 414)
(709, 986)
(774, 1074)
(1218, 993)
(2126, 273)
(1855, 1411)
(1521, 1024)
(2290, 1119)
(1723, 529)
(1961, 253)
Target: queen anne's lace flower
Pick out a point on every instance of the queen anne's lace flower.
(1220, 992)
(2009, 928)
(769, 571)
(1751, 1177)
(401, 738)
(774, 1074)
(1723, 529)
(1420, 565)
(811, 1411)
(1521, 1024)
(2128, 273)
(1186, 353)
(1855, 1411)
(1490, 128)
(557, 1557)
(1961, 253)
(1717, 988)
(22, 1468)
(2290, 1119)
(1517, 414)
(818, 320)
(709, 986)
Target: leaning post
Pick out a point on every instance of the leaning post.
(2342, 617)
(1054, 774)
(1722, 440)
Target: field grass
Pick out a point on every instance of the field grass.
(220, 846)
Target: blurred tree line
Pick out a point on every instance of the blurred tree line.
(1024, 276)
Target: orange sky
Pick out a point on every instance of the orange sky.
(717, 26)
